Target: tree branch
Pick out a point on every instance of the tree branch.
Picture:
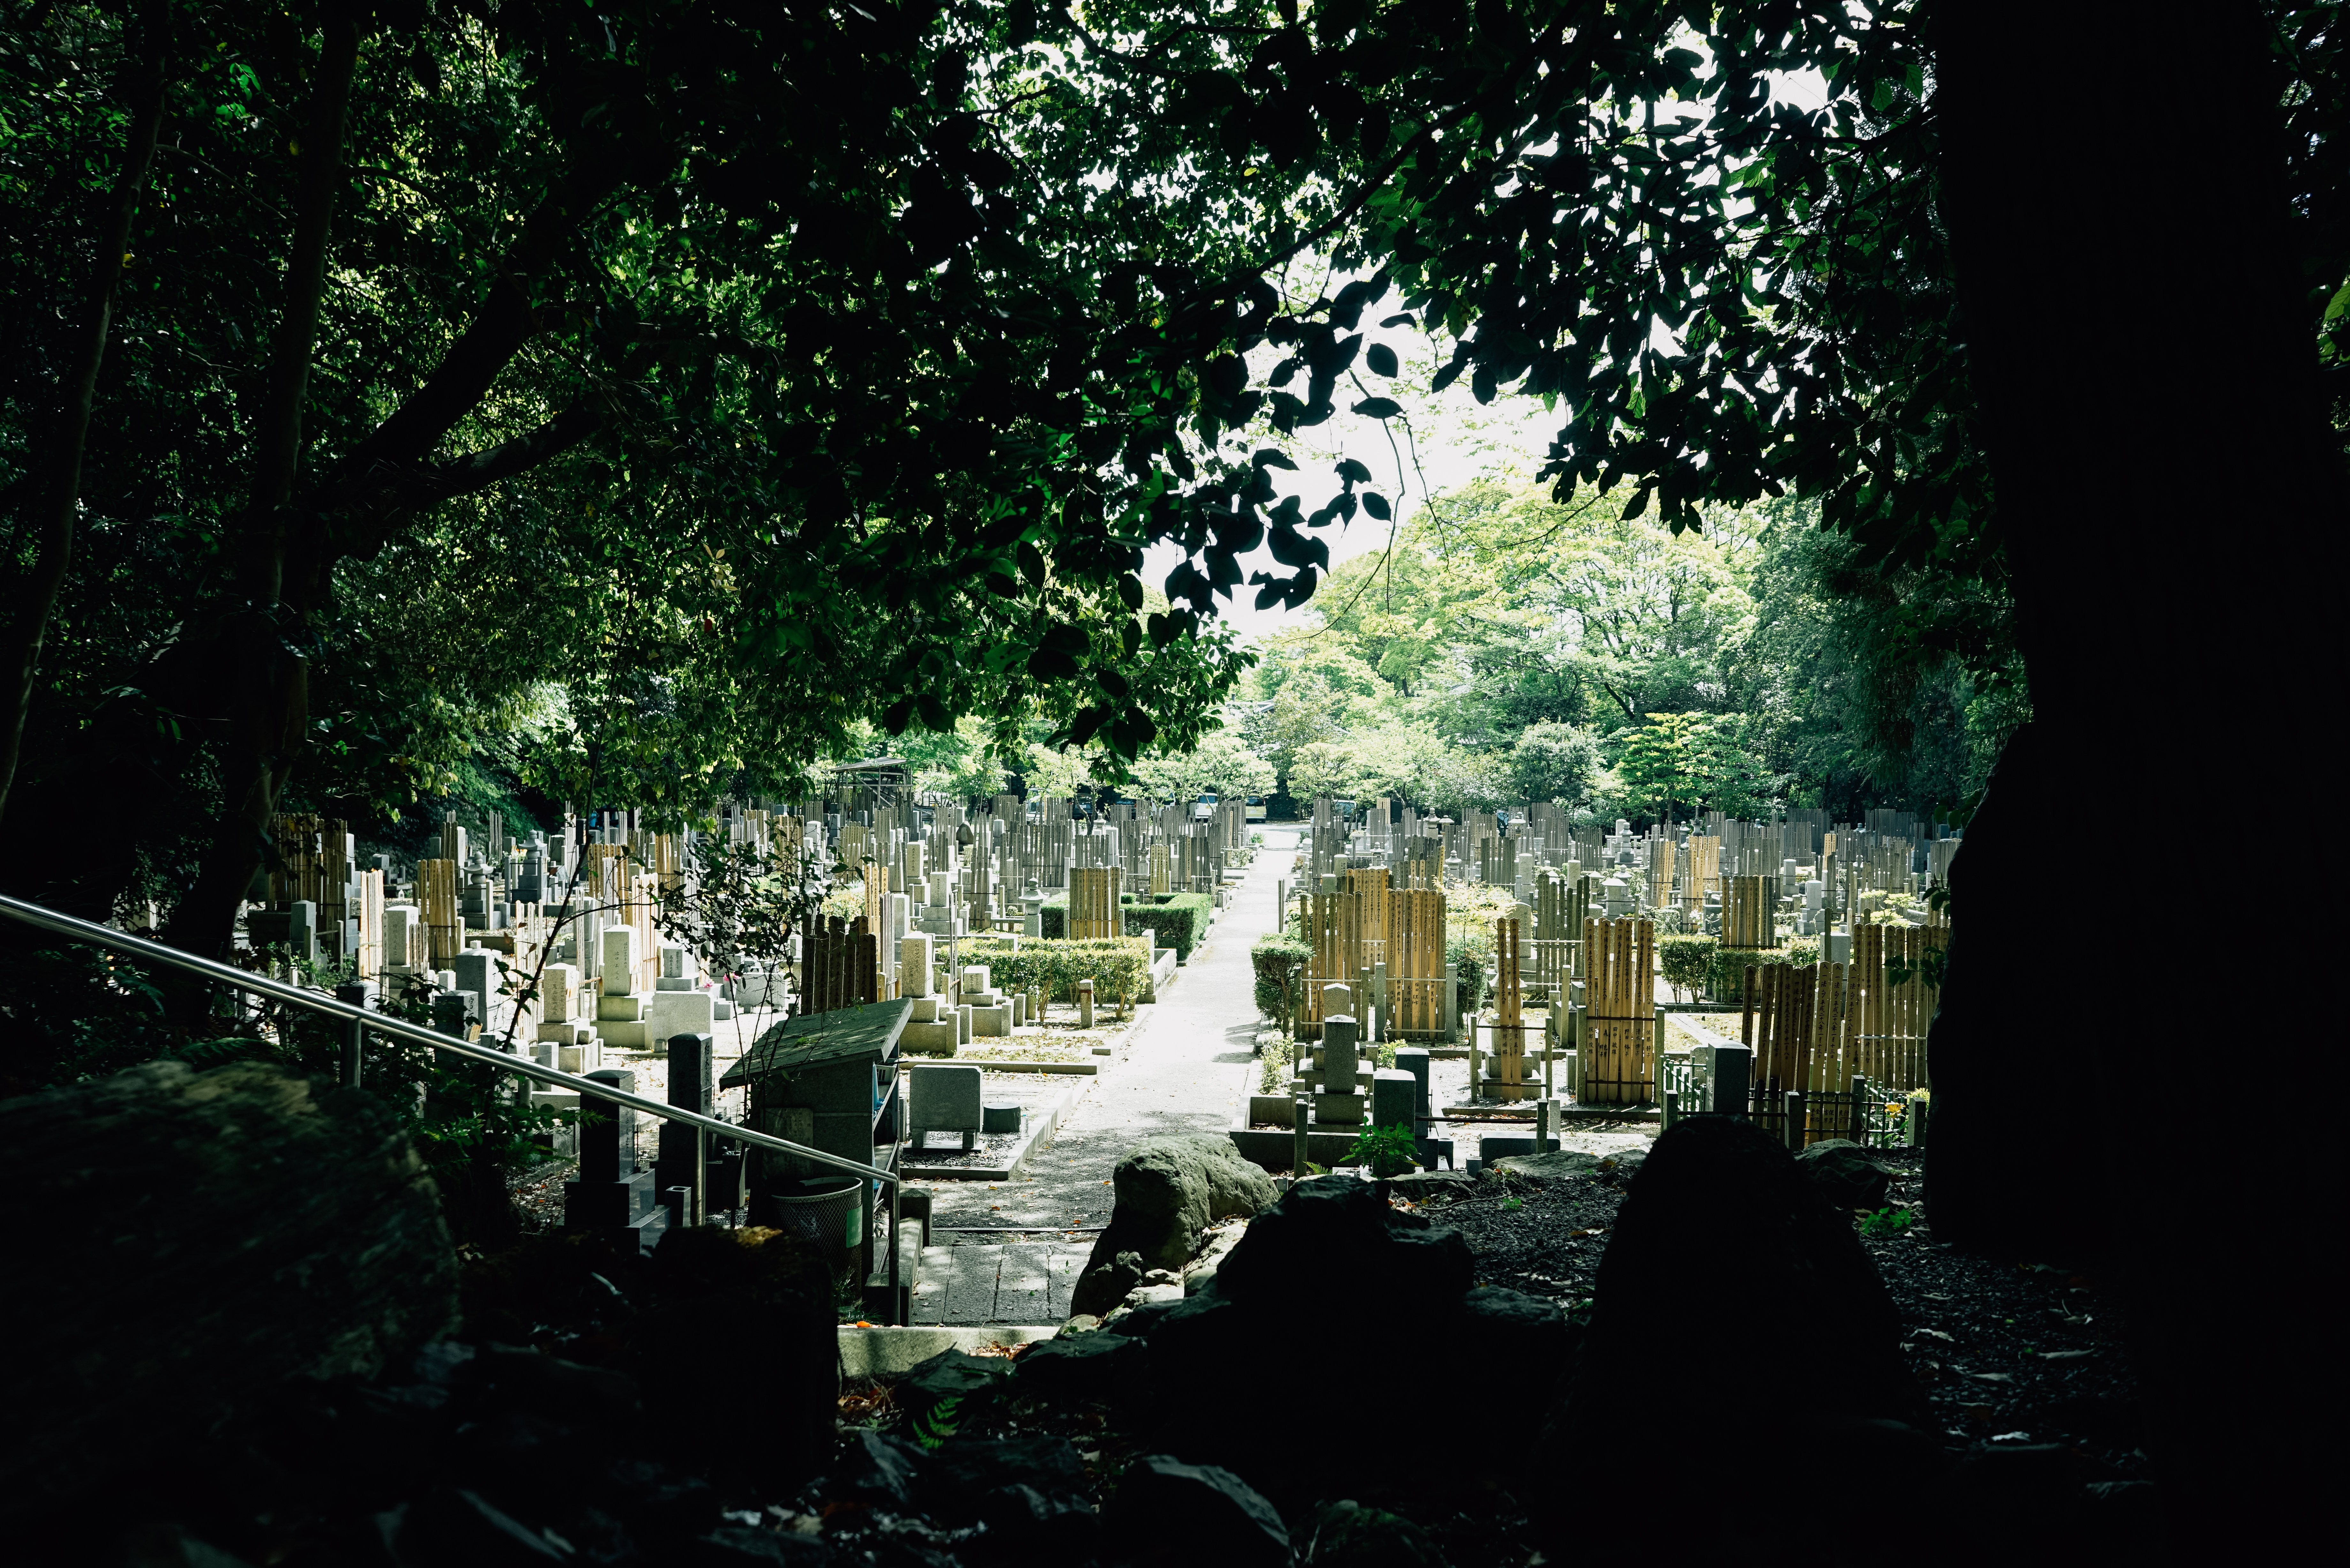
(406, 492)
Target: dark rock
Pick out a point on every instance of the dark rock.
(966, 1471)
(1349, 1535)
(950, 1374)
(876, 1469)
(1141, 1323)
(171, 1546)
(657, 1503)
(1526, 1334)
(232, 1231)
(1433, 1185)
(1722, 1248)
(736, 1545)
(1079, 1366)
(771, 1293)
(1558, 1165)
(1334, 1236)
(1055, 1525)
(1105, 1284)
(1168, 1513)
(1620, 1168)
(1167, 1190)
(1845, 1174)
(453, 1524)
(555, 1389)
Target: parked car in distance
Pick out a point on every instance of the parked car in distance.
(1255, 808)
(1204, 808)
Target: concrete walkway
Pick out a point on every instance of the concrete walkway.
(1187, 1068)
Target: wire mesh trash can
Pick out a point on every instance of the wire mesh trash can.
(827, 1209)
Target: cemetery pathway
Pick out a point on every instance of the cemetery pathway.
(1185, 1068)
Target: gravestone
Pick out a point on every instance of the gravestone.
(1394, 1097)
(1733, 1067)
(611, 1197)
(477, 975)
(559, 997)
(1414, 1059)
(944, 1099)
(692, 1086)
(1338, 1058)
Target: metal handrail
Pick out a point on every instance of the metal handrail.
(401, 1028)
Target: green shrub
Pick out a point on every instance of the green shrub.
(1469, 961)
(1726, 981)
(1119, 969)
(1280, 964)
(1179, 920)
(1687, 962)
(1276, 1062)
(1388, 1151)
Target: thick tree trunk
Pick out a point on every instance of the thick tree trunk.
(2171, 502)
(60, 498)
(271, 682)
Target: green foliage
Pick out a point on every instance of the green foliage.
(1886, 1223)
(1469, 959)
(1180, 920)
(1686, 961)
(1726, 974)
(1555, 762)
(934, 1426)
(1930, 967)
(1276, 1060)
(1386, 1151)
(1119, 968)
(1219, 765)
(1279, 963)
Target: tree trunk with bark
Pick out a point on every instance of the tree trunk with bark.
(2170, 497)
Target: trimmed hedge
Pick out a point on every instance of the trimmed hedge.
(1280, 964)
(1726, 974)
(1118, 969)
(1180, 920)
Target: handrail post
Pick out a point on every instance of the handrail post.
(358, 994)
(701, 1176)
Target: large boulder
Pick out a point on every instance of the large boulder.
(1725, 1250)
(1335, 1238)
(767, 1288)
(1345, 1535)
(1168, 1513)
(1167, 1190)
(1845, 1175)
(196, 1240)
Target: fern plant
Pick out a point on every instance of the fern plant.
(934, 1426)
